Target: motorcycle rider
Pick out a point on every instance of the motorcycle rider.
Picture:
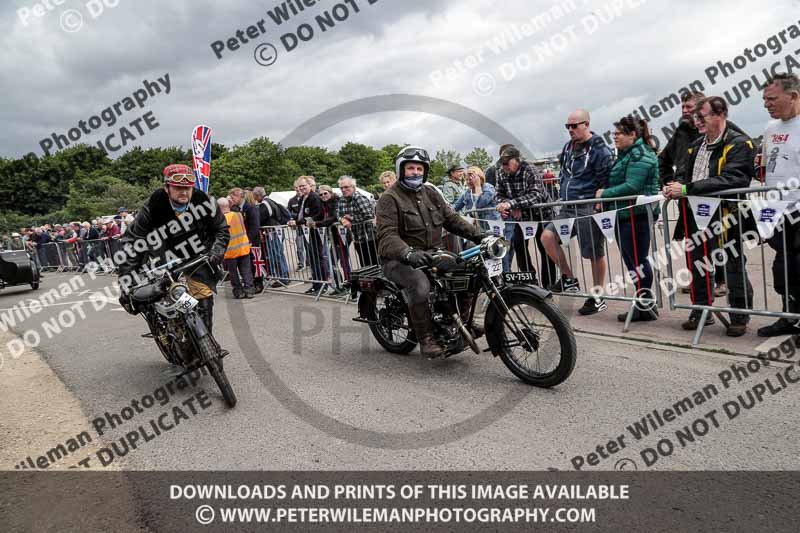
(203, 228)
(410, 218)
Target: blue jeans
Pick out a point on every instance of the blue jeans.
(276, 260)
(508, 234)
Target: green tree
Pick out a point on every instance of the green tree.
(478, 157)
(362, 162)
(325, 166)
(138, 166)
(259, 162)
(100, 194)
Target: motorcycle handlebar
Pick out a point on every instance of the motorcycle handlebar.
(191, 264)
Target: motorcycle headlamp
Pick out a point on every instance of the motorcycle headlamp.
(176, 291)
(495, 247)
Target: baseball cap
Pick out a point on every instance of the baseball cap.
(508, 154)
(455, 167)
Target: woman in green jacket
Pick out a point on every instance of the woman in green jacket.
(635, 172)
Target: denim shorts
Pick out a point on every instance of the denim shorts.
(591, 240)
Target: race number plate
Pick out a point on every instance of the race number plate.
(185, 303)
(494, 267)
(519, 277)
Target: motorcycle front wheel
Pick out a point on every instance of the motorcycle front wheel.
(208, 352)
(534, 340)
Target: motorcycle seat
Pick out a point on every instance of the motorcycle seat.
(147, 294)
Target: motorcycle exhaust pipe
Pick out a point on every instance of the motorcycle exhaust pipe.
(465, 332)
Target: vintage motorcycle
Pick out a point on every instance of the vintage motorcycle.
(522, 324)
(175, 325)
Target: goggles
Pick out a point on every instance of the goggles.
(409, 153)
(181, 180)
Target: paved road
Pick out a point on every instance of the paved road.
(328, 400)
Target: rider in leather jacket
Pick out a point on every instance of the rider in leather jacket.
(410, 217)
(181, 222)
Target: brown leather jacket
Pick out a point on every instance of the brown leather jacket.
(415, 220)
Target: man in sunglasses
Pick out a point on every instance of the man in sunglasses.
(177, 221)
(411, 216)
(586, 163)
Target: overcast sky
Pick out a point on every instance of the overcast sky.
(53, 78)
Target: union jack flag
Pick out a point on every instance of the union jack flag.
(201, 156)
(259, 264)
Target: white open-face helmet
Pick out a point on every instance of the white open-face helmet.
(412, 154)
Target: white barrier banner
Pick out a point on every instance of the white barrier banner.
(606, 221)
(529, 229)
(703, 210)
(768, 215)
(564, 229)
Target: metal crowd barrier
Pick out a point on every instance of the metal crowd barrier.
(578, 223)
(738, 231)
(321, 256)
(73, 257)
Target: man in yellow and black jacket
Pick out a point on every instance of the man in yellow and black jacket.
(720, 160)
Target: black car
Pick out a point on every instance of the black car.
(17, 268)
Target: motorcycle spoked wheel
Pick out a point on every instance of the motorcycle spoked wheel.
(531, 331)
(208, 353)
(385, 307)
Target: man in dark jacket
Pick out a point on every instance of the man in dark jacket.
(586, 162)
(310, 209)
(335, 239)
(720, 160)
(271, 217)
(410, 219)
(294, 210)
(491, 172)
(672, 159)
(176, 222)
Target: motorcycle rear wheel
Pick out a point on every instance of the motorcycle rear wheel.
(383, 306)
(533, 325)
(208, 352)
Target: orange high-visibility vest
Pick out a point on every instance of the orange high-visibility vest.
(239, 244)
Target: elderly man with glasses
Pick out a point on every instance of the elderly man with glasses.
(720, 160)
(355, 212)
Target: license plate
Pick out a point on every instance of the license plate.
(493, 266)
(185, 303)
(519, 277)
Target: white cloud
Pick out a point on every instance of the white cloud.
(53, 79)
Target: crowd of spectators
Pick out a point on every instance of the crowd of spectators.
(707, 156)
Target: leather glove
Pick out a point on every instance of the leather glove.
(418, 258)
(215, 260)
(477, 239)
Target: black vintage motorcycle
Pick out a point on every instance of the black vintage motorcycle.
(175, 325)
(522, 324)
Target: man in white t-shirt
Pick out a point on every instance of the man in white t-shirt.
(781, 167)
